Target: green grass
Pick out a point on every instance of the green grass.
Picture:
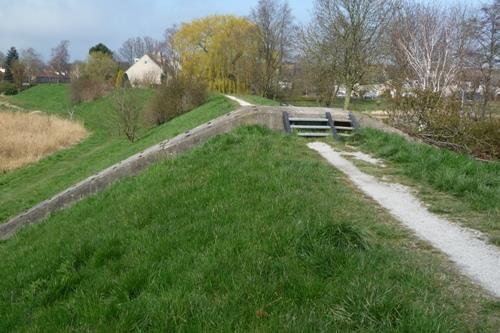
(259, 100)
(249, 232)
(360, 105)
(474, 185)
(25, 187)
(495, 108)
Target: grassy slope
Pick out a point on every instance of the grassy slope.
(258, 100)
(21, 189)
(473, 184)
(250, 232)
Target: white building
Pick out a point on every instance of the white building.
(145, 71)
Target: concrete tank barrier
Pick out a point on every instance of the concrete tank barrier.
(270, 117)
(134, 164)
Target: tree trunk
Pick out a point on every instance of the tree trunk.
(347, 99)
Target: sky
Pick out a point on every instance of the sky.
(42, 24)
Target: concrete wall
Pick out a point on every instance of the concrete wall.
(138, 162)
(267, 116)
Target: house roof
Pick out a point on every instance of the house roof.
(154, 59)
(150, 57)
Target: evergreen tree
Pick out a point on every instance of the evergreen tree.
(101, 48)
(12, 57)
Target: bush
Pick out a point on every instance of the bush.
(174, 97)
(97, 77)
(127, 111)
(444, 122)
(81, 90)
(7, 88)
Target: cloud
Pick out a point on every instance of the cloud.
(42, 24)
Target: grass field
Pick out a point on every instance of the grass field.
(23, 188)
(474, 186)
(27, 137)
(249, 232)
(361, 105)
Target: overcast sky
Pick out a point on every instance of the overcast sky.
(41, 24)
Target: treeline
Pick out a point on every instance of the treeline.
(21, 68)
(432, 62)
(231, 54)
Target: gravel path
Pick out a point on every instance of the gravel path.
(474, 257)
(240, 101)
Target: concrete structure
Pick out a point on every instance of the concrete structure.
(145, 71)
(271, 117)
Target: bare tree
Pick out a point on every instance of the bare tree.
(127, 111)
(151, 45)
(355, 28)
(60, 58)
(431, 42)
(488, 49)
(136, 47)
(18, 74)
(318, 64)
(32, 62)
(274, 20)
(168, 56)
(2, 59)
(127, 51)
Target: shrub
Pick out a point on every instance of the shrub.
(120, 79)
(127, 111)
(174, 97)
(7, 88)
(444, 122)
(83, 89)
(97, 77)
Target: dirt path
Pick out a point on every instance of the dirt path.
(474, 257)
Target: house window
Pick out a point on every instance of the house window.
(145, 62)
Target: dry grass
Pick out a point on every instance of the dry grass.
(27, 137)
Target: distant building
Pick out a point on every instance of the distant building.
(50, 76)
(145, 71)
(2, 70)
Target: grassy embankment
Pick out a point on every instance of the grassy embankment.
(249, 232)
(451, 183)
(25, 187)
(258, 100)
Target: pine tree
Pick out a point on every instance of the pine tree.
(101, 48)
(12, 57)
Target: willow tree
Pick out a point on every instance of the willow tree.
(219, 49)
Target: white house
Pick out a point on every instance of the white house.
(145, 71)
(2, 70)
